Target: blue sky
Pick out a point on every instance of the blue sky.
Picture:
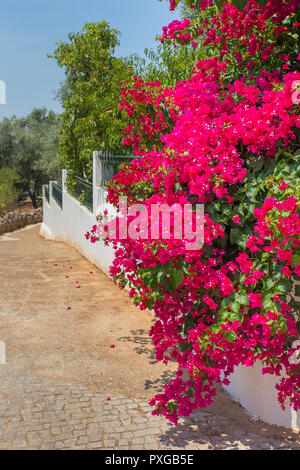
(29, 29)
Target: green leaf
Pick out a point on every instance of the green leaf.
(270, 283)
(262, 2)
(242, 299)
(176, 278)
(185, 269)
(223, 315)
(268, 302)
(230, 336)
(240, 4)
(296, 260)
(160, 277)
(235, 235)
(220, 4)
(215, 329)
(284, 286)
(257, 163)
(235, 307)
(236, 316)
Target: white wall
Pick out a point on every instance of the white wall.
(70, 223)
(254, 391)
(257, 394)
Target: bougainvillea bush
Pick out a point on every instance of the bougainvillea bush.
(227, 138)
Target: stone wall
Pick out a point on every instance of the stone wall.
(14, 221)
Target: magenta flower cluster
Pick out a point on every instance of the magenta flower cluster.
(229, 140)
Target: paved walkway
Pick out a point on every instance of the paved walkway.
(80, 367)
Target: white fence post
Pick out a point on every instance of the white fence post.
(64, 175)
(44, 190)
(51, 188)
(97, 177)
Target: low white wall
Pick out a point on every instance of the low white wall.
(257, 394)
(70, 223)
(254, 391)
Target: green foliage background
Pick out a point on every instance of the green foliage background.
(28, 147)
(8, 190)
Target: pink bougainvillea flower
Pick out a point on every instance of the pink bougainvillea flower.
(203, 140)
(297, 270)
(244, 262)
(255, 300)
(283, 185)
(286, 271)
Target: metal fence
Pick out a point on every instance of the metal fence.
(47, 193)
(57, 194)
(110, 165)
(83, 191)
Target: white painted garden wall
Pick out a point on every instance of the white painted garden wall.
(70, 223)
(257, 394)
(254, 391)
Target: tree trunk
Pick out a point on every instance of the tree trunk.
(33, 199)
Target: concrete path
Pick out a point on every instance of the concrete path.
(80, 367)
